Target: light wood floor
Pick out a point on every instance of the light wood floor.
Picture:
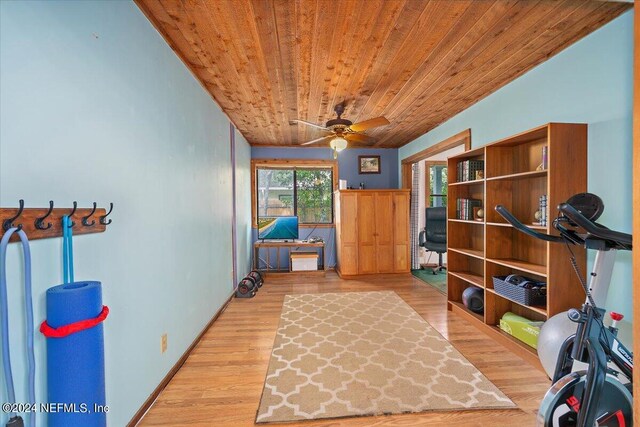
(221, 382)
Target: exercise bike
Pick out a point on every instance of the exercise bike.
(597, 396)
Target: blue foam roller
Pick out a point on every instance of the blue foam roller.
(75, 363)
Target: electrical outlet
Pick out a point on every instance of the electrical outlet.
(163, 343)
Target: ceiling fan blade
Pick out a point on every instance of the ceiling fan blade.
(359, 138)
(292, 122)
(368, 124)
(317, 140)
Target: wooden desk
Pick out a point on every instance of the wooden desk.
(268, 244)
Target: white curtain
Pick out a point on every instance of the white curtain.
(415, 215)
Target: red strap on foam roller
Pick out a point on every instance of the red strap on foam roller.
(72, 328)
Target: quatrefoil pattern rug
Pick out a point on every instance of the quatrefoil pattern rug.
(365, 353)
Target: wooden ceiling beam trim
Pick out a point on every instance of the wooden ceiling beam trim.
(496, 78)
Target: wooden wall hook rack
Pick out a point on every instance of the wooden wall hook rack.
(45, 223)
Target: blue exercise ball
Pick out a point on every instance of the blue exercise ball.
(552, 334)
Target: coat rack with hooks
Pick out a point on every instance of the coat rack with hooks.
(44, 223)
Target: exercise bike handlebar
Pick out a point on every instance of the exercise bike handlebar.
(592, 228)
(520, 226)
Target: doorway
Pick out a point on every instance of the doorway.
(425, 173)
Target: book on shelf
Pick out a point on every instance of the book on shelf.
(464, 208)
(467, 170)
(543, 210)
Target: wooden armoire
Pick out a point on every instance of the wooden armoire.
(372, 232)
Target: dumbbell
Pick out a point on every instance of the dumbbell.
(246, 289)
(256, 277)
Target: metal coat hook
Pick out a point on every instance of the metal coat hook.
(75, 206)
(40, 221)
(85, 220)
(8, 223)
(103, 219)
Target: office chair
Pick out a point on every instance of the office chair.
(434, 236)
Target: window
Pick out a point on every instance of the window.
(436, 184)
(304, 192)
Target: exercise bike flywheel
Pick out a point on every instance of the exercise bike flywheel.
(560, 406)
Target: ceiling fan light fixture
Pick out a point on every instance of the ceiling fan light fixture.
(338, 143)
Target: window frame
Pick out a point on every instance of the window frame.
(427, 166)
(292, 164)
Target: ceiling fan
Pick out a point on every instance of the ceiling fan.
(343, 130)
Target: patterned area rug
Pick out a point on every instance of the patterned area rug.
(438, 281)
(365, 353)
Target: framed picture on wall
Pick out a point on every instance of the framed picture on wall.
(368, 164)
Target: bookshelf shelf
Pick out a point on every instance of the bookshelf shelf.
(472, 182)
(480, 250)
(468, 252)
(539, 310)
(521, 175)
(466, 221)
(467, 276)
(505, 224)
(517, 264)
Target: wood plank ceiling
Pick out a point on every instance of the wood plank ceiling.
(417, 62)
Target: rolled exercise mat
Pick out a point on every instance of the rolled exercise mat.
(75, 354)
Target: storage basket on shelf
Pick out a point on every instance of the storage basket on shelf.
(520, 294)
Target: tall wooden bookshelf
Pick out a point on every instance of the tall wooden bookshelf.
(478, 249)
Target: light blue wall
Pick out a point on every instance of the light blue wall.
(590, 82)
(95, 106)
(243, 205)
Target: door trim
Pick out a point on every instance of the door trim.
(636, 202)
(461, 138)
